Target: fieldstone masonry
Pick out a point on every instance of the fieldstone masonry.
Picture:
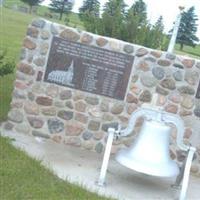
(79, 118)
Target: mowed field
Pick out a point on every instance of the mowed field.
(23, 178)
(189, 51)
(12, 31)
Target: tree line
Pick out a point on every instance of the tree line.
(132, 25)
(128, 24)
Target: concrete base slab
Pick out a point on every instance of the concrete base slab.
(82, 167)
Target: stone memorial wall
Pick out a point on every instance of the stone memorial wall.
(72, 85)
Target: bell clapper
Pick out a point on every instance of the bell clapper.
(117, 134)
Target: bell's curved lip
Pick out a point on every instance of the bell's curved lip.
(169, 169)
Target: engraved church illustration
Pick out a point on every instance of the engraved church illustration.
(62, 77)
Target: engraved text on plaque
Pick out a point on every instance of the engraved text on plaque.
(88, 68)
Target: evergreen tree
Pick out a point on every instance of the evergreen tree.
(139, 9)
(91, 6)
(113, 19)
(136, 23)
(159, 26)
(140, 31)
(157, 34)
(118, 22)
(32, 3)
(89, 14)
(187, 29)
(61, 7)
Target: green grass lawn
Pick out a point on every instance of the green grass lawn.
(13, 27)
(23, 178)
(189, 51)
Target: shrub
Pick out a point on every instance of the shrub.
(6, 66)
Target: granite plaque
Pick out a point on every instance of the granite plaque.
(198, 92)
(88, 68)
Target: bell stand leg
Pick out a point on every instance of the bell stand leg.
(179, 178)
(186, 173)
(101, 181)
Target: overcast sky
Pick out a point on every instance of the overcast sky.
(167, 8)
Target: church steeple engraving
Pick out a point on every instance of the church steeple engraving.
(62, 77)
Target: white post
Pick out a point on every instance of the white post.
(187, 173)
(101, 181)
(175, 32)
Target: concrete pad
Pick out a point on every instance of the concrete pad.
(82, 167)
